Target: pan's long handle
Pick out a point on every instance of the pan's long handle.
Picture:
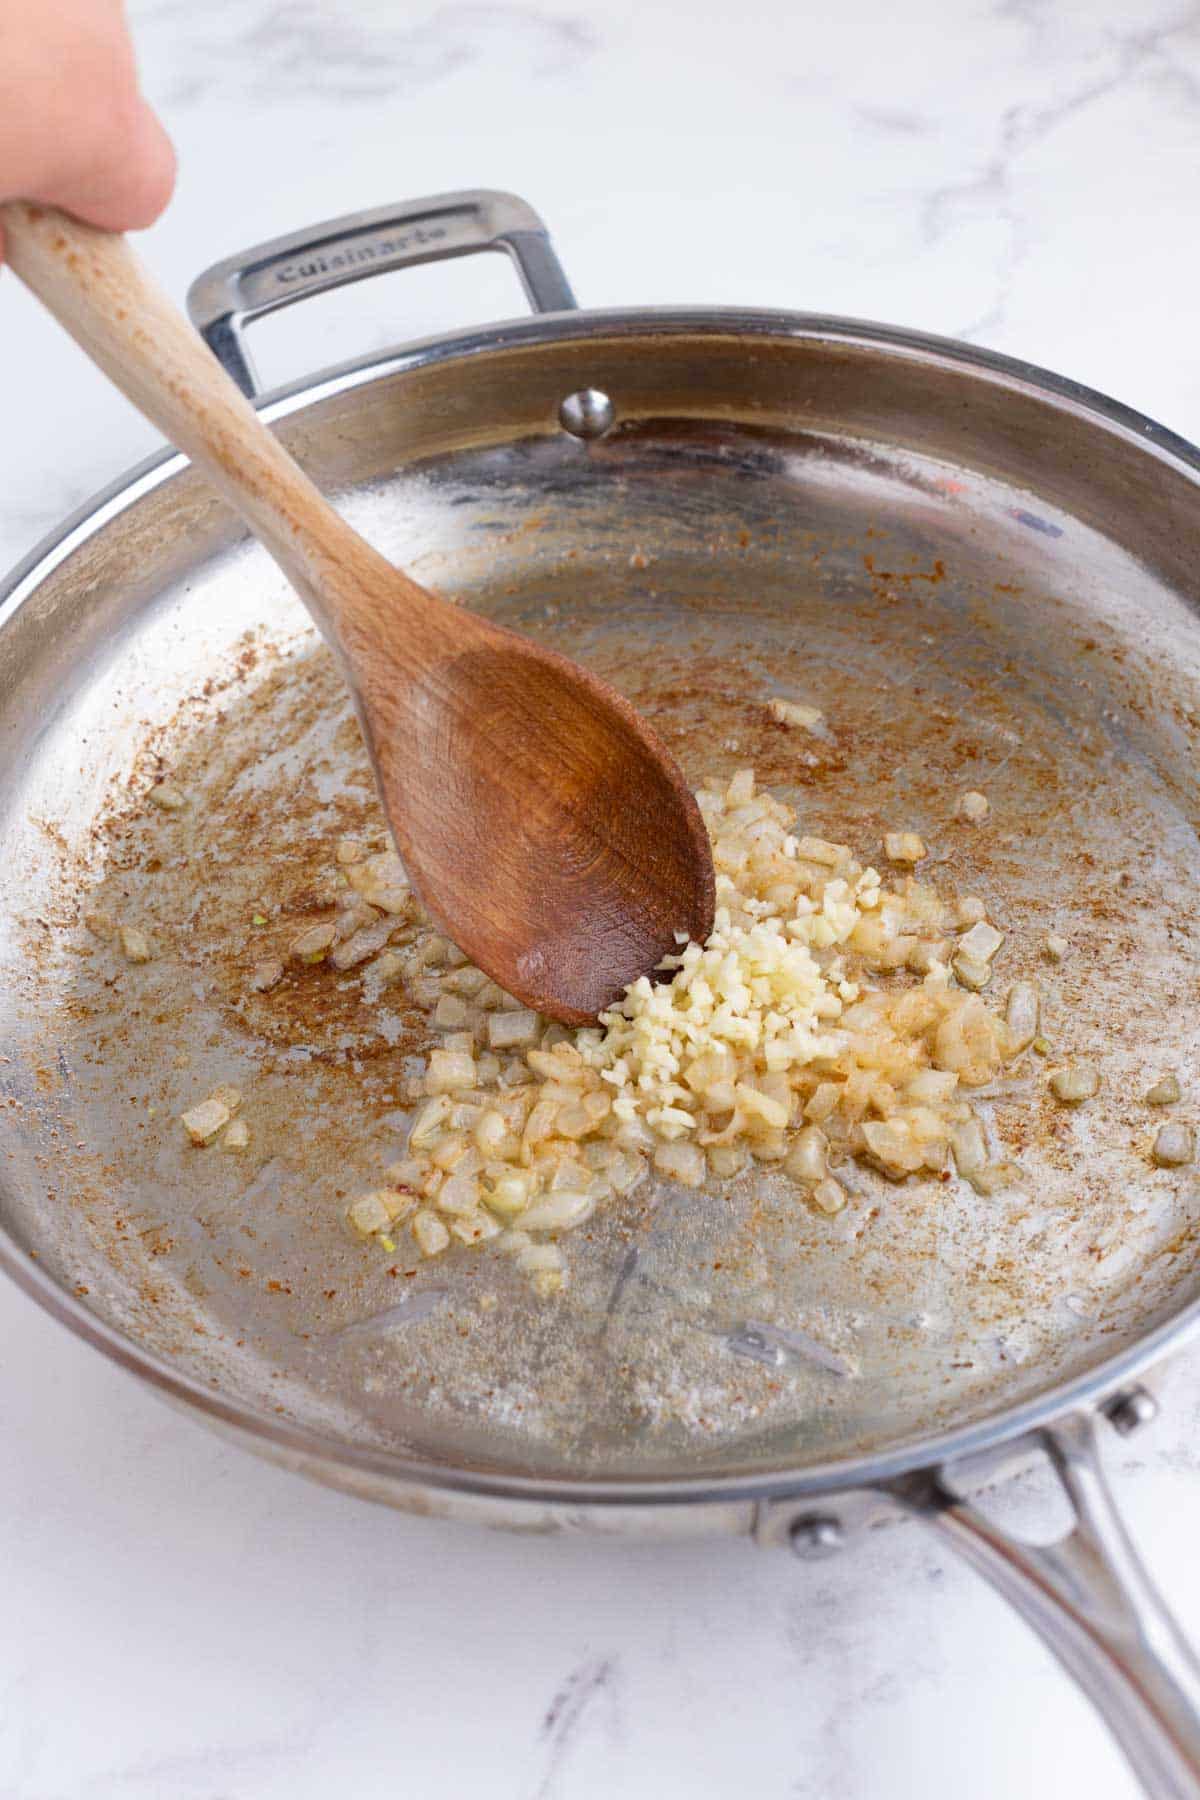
(1090, 1599)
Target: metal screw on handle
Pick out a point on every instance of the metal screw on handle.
(1129, 1411)
(816, 1536)
(230, 295)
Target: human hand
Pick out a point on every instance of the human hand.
(75, 131)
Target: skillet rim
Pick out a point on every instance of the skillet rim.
(998, 1426)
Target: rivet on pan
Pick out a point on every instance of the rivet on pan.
(586, 414)
(816, 1535)
(1129, 1411)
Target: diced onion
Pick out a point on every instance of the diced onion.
(451, 1013)
(994, 1178)
(135, 944)
(458, 1194)
(236, 1136)
(903, 847)
(265, 975)
(382, 882)
(449, 1072)
(557, 1212)
(360, 945)
(1076, 1083)
(968, 1146)
(1174, 1145)
(829, 1195)
(805, 1161)
(512, 1030)
(972, 972)
(203, 1122)
(1021, 1017)
(431, 1235)
(508, 1194)
(981, 942)
(790, 712)
(684, 1163)
(314, 944)
(427, 1120)
(474, 1228)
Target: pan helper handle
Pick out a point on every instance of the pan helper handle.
(230, 295)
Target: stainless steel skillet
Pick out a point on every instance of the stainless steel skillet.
(985, 575)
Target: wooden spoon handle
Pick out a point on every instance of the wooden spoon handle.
(98, 289)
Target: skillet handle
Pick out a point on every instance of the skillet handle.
(225, 298)
(1091, 1601)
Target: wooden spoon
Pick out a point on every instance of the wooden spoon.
(544, 826)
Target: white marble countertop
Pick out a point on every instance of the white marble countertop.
(181, 1622)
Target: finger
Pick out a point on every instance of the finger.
(130, 181)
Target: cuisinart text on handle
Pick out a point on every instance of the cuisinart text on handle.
(367, 251)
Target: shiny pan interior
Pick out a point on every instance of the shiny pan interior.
(985, 578)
